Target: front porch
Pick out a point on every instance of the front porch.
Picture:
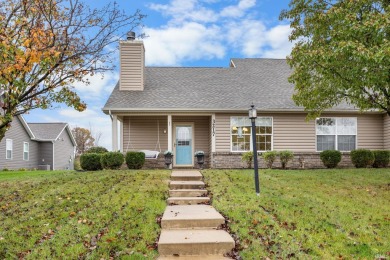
(181, 134)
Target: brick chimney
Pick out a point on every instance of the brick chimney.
(132, 63)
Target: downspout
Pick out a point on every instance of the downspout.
(53, 154)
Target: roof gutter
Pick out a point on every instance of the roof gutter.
(184, 110)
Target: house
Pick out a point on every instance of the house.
(190, 109)
(48, 146)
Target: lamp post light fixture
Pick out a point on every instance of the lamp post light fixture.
(252, 117)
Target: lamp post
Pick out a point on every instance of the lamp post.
(253, 116)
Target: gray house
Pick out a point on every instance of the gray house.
(186, 109)
(48, 146)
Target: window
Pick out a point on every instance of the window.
(8, 149)
(26, 149)
(241, 135)
(336, 133)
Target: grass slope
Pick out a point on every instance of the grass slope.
(70, 215)
(320, 214)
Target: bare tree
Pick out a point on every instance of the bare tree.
(83, 139)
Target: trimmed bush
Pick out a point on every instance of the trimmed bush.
(97, 149)
(248, 158)
(285, 157)
(90, 161)
(112, 160)
(269, 158)
(330, 158)
(382, 159)
(135, 160)
(362, 158)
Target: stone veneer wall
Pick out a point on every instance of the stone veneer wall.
(221, 160)
(159, 163)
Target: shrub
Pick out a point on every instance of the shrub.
(362, 158)
(269, 158)
(112, 160)
(382, 158)
(91, 161)
(285, 157)
(97, 149)
(248, 158)
(330, 158)
(135, 160)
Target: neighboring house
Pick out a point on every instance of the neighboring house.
(190, 109)
(37, 145)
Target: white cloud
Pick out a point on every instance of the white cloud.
(99, 85)
(185, 10)
(93, 119)
(191, 41)
(239, 10)
(195, 31)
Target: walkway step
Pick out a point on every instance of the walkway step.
(194, 242)
(175, 185)
(187, 200)
(186, 176)
(191, 216)
(187, 193)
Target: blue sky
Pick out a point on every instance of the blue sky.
(184, 33)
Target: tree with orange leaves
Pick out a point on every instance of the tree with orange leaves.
(47, 46)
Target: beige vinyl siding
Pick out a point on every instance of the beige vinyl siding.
(132, 60)
(386, 132)
(370, 131)
(292, 132)
(143, 134)
(63, 151)
(222, 132)
(18, 134)
(202, 130)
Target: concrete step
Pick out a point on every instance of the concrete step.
(187, 200)
(186, 176)
(191, 216)
(187, 193)
(194, 242)
(176, 185)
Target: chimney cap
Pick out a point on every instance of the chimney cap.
(131, 36)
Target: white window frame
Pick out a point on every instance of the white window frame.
(8, 144)
(336, 135)
(28, 151)
(251, 140)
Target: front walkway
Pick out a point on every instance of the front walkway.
(189, 225)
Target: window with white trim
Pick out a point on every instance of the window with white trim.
(8, 148)
(26, 151)
(241, 137)
(336, 133)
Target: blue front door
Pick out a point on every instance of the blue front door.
(183, 144)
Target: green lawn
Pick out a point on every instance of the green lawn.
(309, 214)
(70, 215)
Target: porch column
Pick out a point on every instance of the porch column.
(213, 133)
(114, 133)
(121, 134)
(170, 148)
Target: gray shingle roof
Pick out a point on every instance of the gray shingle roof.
(46, 131)
(262, 82)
